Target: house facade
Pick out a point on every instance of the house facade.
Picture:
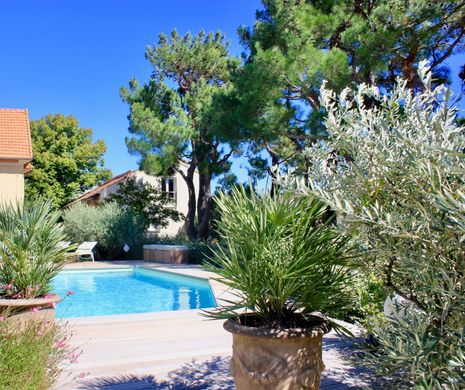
(174, 186)
(15, 154)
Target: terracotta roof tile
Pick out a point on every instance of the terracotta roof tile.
(15, 135)
(93, 191)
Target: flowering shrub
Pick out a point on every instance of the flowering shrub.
(393, 169)
(33, 356)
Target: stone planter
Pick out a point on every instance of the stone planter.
(268, 359)
(22, 311)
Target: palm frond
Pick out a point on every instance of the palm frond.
(281, 254)
(30, 249)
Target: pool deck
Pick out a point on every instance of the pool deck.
(172, 350)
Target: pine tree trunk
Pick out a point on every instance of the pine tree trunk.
(189, 224)
(204, 205)
(273, 173)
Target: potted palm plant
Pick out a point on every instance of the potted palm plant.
(30, 257)
(286, 265)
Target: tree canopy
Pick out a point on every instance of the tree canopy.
(296, 44)
(66, 161)
(174, 118)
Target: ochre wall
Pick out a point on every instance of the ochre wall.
(11, 183)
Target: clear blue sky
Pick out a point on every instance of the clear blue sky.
(72, 56)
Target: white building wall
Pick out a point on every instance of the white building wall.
(182, 198)
(180, 204)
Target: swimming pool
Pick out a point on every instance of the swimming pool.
(126, 291)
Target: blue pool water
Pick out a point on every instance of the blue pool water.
(132, 290)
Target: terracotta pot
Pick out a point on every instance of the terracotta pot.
(268, 359)
(22, 311)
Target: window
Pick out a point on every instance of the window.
(168, 187)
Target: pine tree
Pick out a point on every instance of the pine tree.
(296, 44)
(174, 117)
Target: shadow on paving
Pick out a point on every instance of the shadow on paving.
(352, 374)
(210, 374)
(214, 374)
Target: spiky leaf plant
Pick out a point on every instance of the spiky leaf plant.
(281, 257)
(30, 250)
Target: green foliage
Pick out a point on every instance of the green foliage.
(145, 201)
(393, 169)
(66, 162)
(282, 257)
(29, 356)
(30, 250)
(370, 295)
(174, 118)
(410, 355)
(296, 44)
(109, 224)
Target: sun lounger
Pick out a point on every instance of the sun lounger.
(85, 249)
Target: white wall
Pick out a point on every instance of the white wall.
(182, 198)
(181, 203)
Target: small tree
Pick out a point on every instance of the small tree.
(66, 162)
(393, 168)
(281, 257)
(145, 201)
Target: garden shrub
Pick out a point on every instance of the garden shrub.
(109, 224)
(393, 169)
(146, 201)
(369, 295)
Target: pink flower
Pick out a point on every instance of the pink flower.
(82, 375)
(70, 292)
(2, 318)
(47, 296)
(35, 309)
(60, 344)
(8, 286)
(73, 357)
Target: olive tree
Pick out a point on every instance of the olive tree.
(393, 169)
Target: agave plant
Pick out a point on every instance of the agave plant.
(282, 258)
(30, 250)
